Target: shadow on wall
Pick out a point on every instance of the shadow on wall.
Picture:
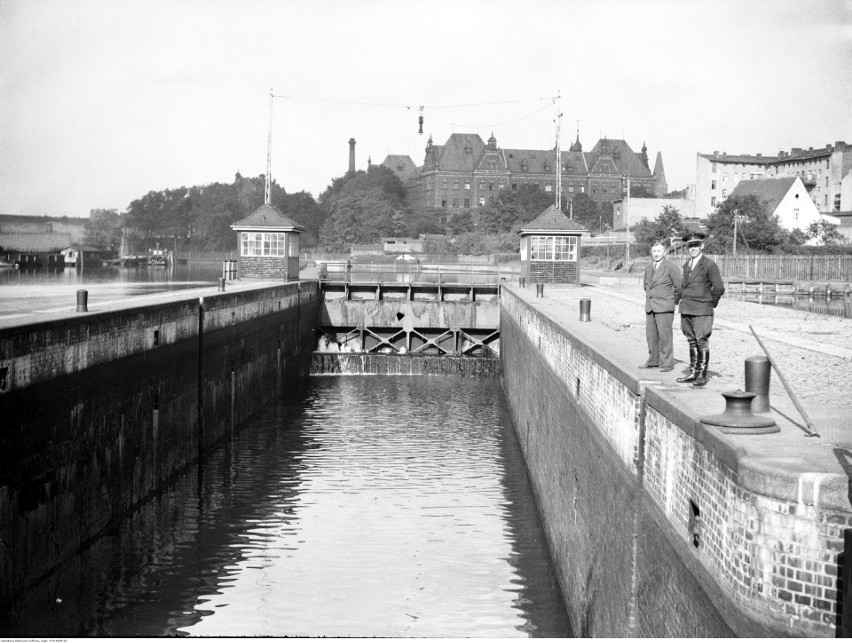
(843, 627)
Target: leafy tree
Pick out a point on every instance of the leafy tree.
(528, 201)
(669, 223)
(419, 220)
(496, 218)
(461, 222)
(825, 234)
(586, 211)
(757, 230)
(103, 229)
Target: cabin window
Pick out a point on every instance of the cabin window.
(553, 248)
(263, 244)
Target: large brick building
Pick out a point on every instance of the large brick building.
(467, 172)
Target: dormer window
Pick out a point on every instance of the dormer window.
(524, 166)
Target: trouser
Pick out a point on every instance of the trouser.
(697, 329)
(658, 332)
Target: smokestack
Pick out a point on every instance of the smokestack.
(352, 155)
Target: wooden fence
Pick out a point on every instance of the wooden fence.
(786, 267)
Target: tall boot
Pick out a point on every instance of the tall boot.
(693, 366)
(703, 360)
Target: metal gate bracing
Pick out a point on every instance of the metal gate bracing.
(435, 341)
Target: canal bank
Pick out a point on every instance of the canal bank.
(100, 409)
(661, 525)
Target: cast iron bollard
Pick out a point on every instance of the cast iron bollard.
(757, 372)
(585, 309)
(539, 290)
(738, 417)
(522, 282)
(221, 284)
(82, 301)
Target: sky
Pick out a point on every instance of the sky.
(102, 101)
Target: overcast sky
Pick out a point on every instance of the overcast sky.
(103, 101)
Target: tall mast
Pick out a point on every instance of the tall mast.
(558, 154)
(267, 193)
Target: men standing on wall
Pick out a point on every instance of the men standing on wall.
(702, 289)
(662, 294)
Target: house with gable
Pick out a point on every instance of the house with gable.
(786, 197)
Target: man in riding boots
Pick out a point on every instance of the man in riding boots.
(701, 291)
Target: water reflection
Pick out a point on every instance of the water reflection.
(836, 306)
(377, 506)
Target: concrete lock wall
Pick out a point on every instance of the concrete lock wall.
(626, 481)
(100, 410)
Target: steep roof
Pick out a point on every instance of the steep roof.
(552, 220)
(452, 156)
(395, 161)
(267, 217)
(769, 191)
(625, 159)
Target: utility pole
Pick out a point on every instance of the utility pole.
(627, 223)
(735, 232)
(267, 193)
(558, 153)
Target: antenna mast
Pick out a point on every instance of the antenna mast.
(558, 153)
(267, 193)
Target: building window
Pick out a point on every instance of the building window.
(712, 185)
(263, 244)
(444, 184)
(553, 248)
(455, 202)
(582, 188)
(455, 185)
(482, 200)
(571, 188)
(548, 187)
(467, 185)
(713, 168)
(514, 186)
(467, 202)
(795, 214)
(712, 201)
(724, 193)
(491, 186)
(482, 184)
(444, 201)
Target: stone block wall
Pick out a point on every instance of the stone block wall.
(283, 268)
(551, 272)
(658, 526)
(102, 409)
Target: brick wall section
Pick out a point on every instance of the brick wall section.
(285, 268)
(551, 272)
(617, 471)
(774, 556)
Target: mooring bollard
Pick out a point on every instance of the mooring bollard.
(585, 310)
(522, 282)
(221, 284)
(757, 372)
(738, 417)
(539, 290)
(82, 301)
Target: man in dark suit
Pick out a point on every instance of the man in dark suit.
(702, 289)
(662, 294)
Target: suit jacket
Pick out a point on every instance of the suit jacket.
(662, 287)
(702, 287)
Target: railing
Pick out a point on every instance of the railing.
(415, 273)
(786, 267)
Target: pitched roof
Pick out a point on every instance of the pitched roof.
(267, 217)
(769, 191)
(453, 156)
(628, 161)
(552, 220)
(742, 159)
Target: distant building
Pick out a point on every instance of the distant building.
(40, 234)
(822, 172)
(785, 197)
(718, 174)
(467, 172)
(634, 209)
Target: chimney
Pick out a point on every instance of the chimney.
(759, 155)
(352, 155)
(715, 152)
(840, 145)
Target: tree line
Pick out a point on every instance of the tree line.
(355, 209)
